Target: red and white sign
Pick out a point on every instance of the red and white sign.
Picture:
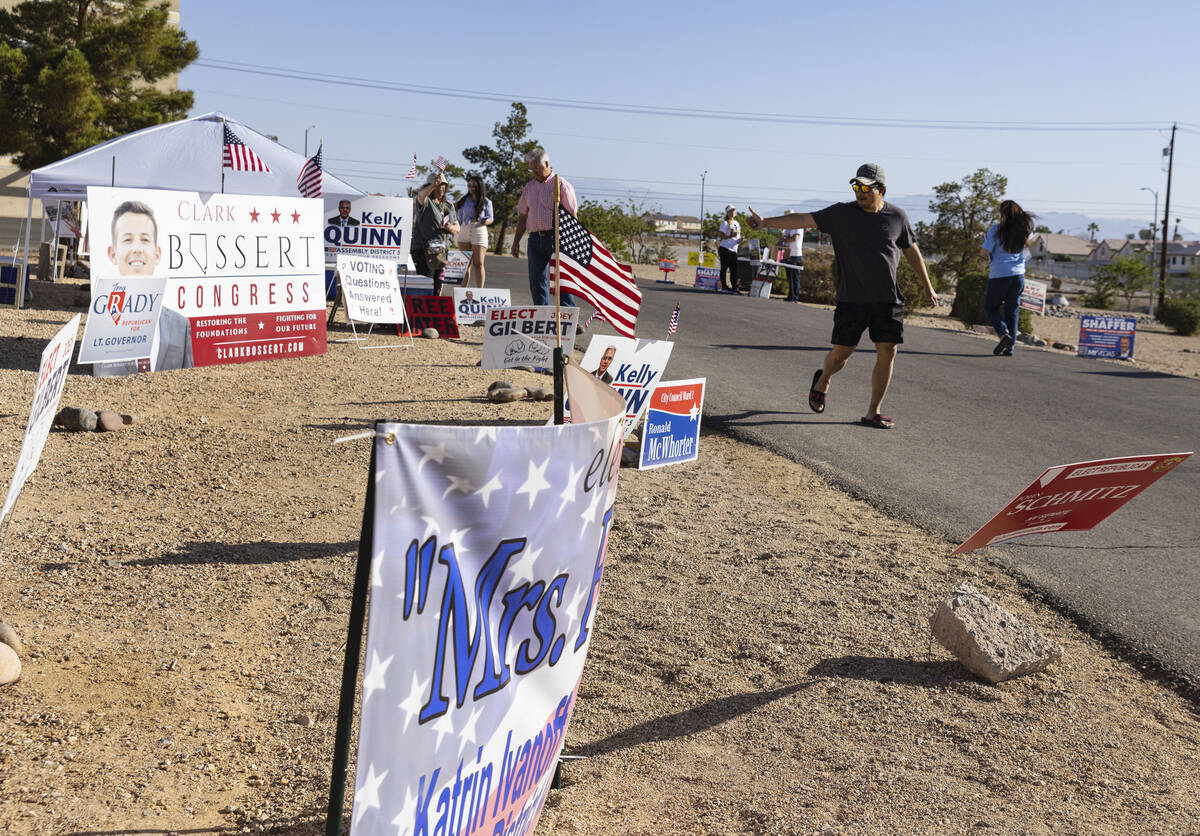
(246, 271)
(1073, 497)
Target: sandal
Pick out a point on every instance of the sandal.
(816, 400)
(879, 422)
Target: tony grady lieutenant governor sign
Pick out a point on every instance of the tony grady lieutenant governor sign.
(246, 271)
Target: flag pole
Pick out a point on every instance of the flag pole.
(559, 361)
(222, 155)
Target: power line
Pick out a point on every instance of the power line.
(648, 110)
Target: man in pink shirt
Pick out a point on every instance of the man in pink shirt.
(535, 215)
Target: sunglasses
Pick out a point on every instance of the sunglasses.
(860, 188)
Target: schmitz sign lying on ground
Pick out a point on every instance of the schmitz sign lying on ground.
(1073, 497)
(52, 375)
(526, 336)
(245, 272)
(487, 549)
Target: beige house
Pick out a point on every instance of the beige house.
(687, 224)
(663, 223)
(1107, 250)
(1047, 246)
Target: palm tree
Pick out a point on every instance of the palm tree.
(1093, 228)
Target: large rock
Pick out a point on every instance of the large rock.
(9, 637)
(989, 641)
(505, 395)
(108, 421)
(10, 665)
(76, 419)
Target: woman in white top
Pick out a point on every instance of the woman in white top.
(474, 217)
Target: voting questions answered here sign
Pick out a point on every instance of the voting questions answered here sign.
(371, 289)
(1073, 497)
(671, 434)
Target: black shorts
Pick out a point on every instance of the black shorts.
(884, 321)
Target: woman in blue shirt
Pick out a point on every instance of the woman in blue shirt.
(474, 217)
(1005, 244)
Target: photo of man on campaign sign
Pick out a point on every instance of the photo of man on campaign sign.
(633, 367)
(244, 273)
(470, 303)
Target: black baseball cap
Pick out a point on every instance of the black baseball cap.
(870, 174)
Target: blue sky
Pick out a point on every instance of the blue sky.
(1023, 66)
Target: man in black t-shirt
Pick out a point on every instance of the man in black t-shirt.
(869, 235)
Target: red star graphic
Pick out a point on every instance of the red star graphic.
(254, 215)
(295, 217)
(275, 217)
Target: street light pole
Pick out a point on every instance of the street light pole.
(1153, 226)
(1169, 153)
(704, 174)
(310, 127)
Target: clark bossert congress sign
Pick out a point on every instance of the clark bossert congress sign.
(371, 289)
(245, 272)
(375, 227)
(526, 336)
(488, 551)
(1073, 497)
(52, 375)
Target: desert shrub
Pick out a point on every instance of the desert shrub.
(968, 299)
(1180, 315)
(817, 281)
(1103, 294)
(912, 288)
(1025, 321)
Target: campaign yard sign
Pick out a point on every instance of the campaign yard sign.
(457, 263)
(1102, 335)
(1033, 296)
(245, 273)
(52, 376)
(631, 366)
(487, 553)
(122, 322)
(1073, 497)
(369, 226)
(526, 336)
(470, 303)
(707, 278)
(430, 312)
(371, 289)
(672, 431)
(698, 259)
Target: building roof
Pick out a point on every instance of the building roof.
(1064, 244)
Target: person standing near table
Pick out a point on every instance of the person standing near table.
(535, 215)
(730, 233)
(433, 222)
(794, 240)
(474, 216)
(1006, 246)
(869, 236)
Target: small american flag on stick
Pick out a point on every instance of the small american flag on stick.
(673, 325)
(588, 269)
(412, 172)
(440, 162)
(238, 156)
(309, 180)
(595, 315)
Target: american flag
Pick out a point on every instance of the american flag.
(673, 325)
(238, 155)
(589, 270)
(309, 180)
(412, 172)
(595, 315)
(440, 162)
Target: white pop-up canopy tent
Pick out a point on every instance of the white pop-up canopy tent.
(187, 155)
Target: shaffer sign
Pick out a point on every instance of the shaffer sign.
(1073, 497)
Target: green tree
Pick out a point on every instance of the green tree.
(1042, 228)
(503, 168)
(963, 211)
(1092, 229)
(1128, 276)
(77, 72)
(624, 229)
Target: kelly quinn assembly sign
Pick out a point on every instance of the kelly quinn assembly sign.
(246, 271)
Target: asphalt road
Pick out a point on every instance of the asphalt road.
(972, 431)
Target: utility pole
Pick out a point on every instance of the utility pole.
(703, 174)
(1169, 153)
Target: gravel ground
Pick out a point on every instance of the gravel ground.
(762, 660)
